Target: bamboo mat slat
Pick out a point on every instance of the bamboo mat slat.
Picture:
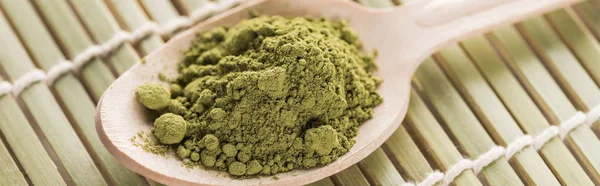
(523, 109)
(25, 144)
(376, 3)
(458, 118)
(590, 16)
(73, 39)
(161, 11)
(492, 114)
(573, 80)
(405, 153)
(102, 26)
(433, 139)
(544, 90)
(350, 176)
(579, 40)
(47, 113)
(379, 170)
(131, 16)
(323, 182)
(469, 98)
(188, 6)
(561, 63)
(68, 89)
(11, 175)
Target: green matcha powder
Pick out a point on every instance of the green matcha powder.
(269, 95)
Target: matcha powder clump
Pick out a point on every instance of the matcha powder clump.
(269, 95)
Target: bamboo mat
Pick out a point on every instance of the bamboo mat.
(517, 106)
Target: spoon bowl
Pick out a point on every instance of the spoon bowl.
(403, 36)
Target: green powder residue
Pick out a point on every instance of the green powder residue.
(149, 143)
(268, 95)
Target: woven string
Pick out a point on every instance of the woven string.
(118, 39)
(513, 148)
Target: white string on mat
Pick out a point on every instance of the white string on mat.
(119, 38)
(27, 79)
(513, 148)
(5, 88)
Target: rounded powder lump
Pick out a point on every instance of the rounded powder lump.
(170, 128)
(153, 96)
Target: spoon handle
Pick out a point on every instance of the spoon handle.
(449, 21)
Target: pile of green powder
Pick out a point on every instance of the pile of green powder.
(268, 95)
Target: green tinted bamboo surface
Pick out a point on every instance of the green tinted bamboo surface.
(322, 182)
(542, 88)
(589, 15)
(73, 39)
(431, 136)
(161, 11)
(10, 173)
(350, 176)
(10, 117)
(102, 26)
(131, 16)
(47, 113)
(26, 146)
(377, 3)
(564, 66)
(379, 170)
(492, 114)
(407, 155)
(582, 45)
(523, 109)
(458, 118)
(70, 92)
(574, 81)
(188, 6)
(581, 42)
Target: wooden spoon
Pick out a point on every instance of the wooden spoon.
(404, 36)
